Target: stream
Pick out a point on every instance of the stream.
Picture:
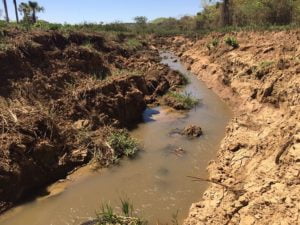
(155, 181)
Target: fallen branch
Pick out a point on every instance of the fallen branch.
(209, 180)
(200, 179)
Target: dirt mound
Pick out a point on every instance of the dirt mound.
(192, 131)
(57, 95)
(259, 157)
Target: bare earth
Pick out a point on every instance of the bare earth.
(259, 159)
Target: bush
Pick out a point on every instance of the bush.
(231, 41)
(123, 144)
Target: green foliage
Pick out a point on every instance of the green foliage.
(231, 41)
(208, 18)
(127, 207)
(180, 101)
(123, 144)
(43, 25)
(141, 23)
(266, 64)
(29, 11)
(133, 43)
(213, 44)
(108, 216)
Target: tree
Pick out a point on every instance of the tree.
(24, 9)
(34, 6)
(225, 13)
(29, 10)
(6, 11)
(141, 22)
(16, 11)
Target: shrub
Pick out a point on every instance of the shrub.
(123, 144)
(231, 41)
(180, 101)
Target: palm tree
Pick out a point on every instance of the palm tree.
(34, 6)
(6, 11)
(24, 9)
(16, 11)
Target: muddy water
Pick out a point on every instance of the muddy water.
(156, 181)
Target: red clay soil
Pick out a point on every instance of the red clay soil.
(58, 93)
(258, 164)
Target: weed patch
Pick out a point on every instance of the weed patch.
(231, 41)
(266, 64)
(122, 143)
(133, 43)
(180, 101)
(108, 216)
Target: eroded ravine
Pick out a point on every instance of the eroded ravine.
(156, 181)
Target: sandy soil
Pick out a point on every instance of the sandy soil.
(258, 163)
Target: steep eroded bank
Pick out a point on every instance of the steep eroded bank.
(58, 93)
(259, 159)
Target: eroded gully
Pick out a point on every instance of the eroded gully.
(155, 182)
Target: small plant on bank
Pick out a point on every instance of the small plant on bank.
(213, 44)
(232, 41)
(123, 144)
(108, 216)
(266, 64)
(180, 101)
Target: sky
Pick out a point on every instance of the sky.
(78, 11)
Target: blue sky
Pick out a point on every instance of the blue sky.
(76, 11)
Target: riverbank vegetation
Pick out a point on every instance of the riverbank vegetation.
(179, 101)
(227, 15)
(122, 143)
(107, 215)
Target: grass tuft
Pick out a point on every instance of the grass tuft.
(123, 144)
(232, 41)
(180, 101)
(133, 43)
(108, 216)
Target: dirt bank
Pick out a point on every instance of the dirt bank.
(258, 163)
(58, 93)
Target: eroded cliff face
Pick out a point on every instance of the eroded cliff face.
(259, 159)
(58, 95)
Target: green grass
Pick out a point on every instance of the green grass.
(123, 144)
(180, 101)
(265, 64)
(108, 216)
(133, 43)
(232, 41)
(213, 44)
